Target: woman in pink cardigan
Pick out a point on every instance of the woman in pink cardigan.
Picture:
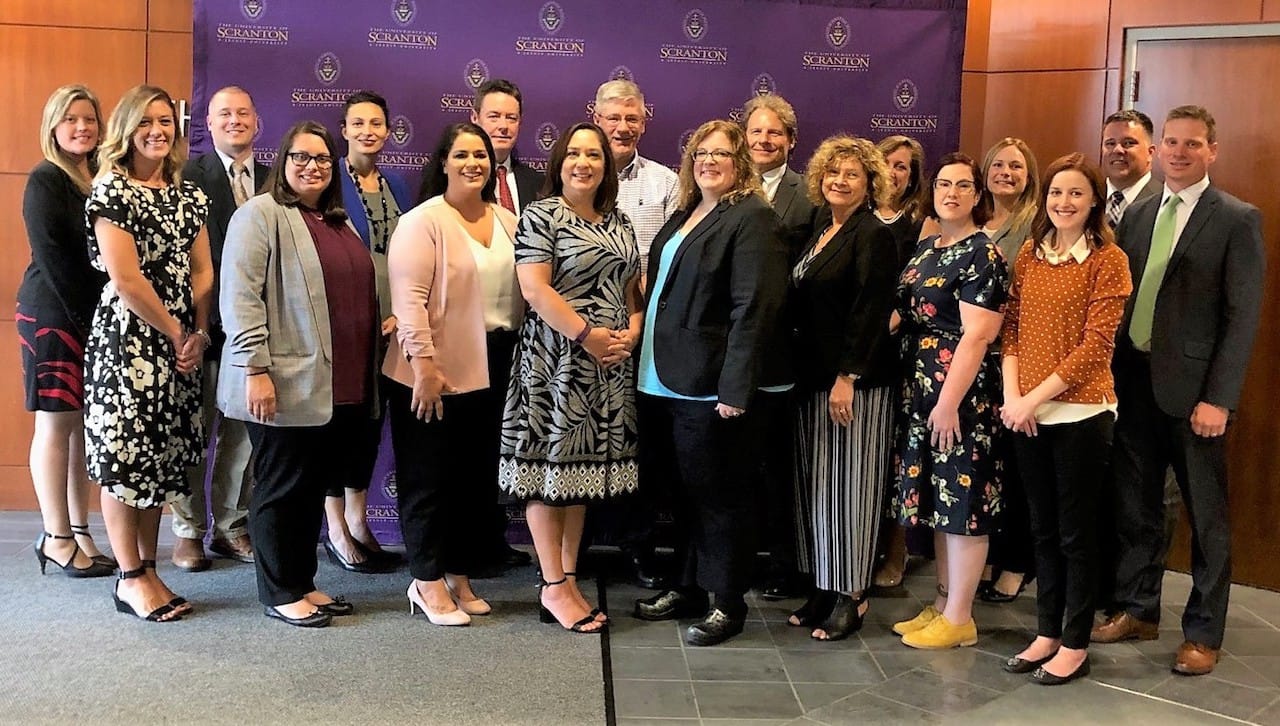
(451, 265)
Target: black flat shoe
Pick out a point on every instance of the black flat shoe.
(717, 627)
(845, 620)
(1019, 665)
(780, 588)
(992, 595)
(1045, 678)
(815, 610)
(317, 619)
(670, 605)
(366, 567)
(645, 571)
(337, 607)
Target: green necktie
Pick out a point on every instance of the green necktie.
(1144, 306)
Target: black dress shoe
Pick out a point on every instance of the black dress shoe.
(1045, 678)
(779, 589)
(317, 619)
(512, 557)
(366, 567)
(337, 607)
(717, 627)
(384, 560)
(1019, 665)
(670, 605)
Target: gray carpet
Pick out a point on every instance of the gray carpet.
(66, 656)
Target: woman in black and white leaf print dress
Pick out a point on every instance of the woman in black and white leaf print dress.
(142, 392)
(569, 427)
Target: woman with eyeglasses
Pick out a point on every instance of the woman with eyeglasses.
(712, 340)
(949, 310)
(300, 310)
(374, 203)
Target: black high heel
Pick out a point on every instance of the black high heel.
(155, 616)
(993, 595)
(546, 616)
(845, 619)
(595, 612)
(365, 568)
(178, 602)
(814, 610)
(94, 569)
(82, 530)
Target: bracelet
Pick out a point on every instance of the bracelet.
(586, 329)
(208, 342)
(257, 373)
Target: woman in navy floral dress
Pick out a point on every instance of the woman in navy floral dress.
(950, 307)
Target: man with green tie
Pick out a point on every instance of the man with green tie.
(1196, 256)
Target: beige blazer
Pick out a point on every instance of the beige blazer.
(436, 297)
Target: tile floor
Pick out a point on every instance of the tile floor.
(774, 673)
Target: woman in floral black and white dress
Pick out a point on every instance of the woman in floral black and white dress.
(142, 393)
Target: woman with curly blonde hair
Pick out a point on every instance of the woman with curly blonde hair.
(842, 292)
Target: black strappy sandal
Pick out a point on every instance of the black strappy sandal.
(546, 616)
(155, 616)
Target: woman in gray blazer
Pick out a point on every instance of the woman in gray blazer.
(300, 311)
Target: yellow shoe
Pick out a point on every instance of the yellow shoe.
(940, 634)
(919, 622)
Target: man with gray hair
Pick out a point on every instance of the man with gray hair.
(647, 190)
(648, 193)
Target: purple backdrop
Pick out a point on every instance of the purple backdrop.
(872, 68)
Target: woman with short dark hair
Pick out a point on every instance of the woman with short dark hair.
(300, 310)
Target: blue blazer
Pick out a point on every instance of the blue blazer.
(351, 199)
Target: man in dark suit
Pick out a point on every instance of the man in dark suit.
(229, 175)
(1127, 153)
(770, 125)
(1196, 256)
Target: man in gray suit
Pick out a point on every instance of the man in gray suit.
(770, 123)
(229, 176)
(1196, 257)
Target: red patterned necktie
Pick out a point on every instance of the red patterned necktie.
(504, 191)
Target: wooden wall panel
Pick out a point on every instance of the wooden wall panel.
(1126, 14)
(1056, 113)
(1029, 36)
(16, 251)
(1271, 10)
(174, 15)
(977, 35)
(169, 63)
(16, 424)
(15, 488)
(128, 14)
(973, 102)
(108, 61)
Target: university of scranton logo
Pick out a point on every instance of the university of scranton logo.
(328, 68)
(401, 131)
(683, 143)
(389, 486)
(253, 9)
(622, 73)
(551, 17)
(905, 95)
(547, 135)
(476, 73)
(695, 25)
(402, 11)
(837, 32)
(764, 85)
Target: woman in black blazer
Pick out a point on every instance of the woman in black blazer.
(842, 294)
(717, 278)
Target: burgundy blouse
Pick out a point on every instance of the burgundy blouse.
(352, 297)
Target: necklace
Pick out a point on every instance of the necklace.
(378, 245)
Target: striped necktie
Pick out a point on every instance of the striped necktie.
(1144, 306)
(239, 175)
(1115, 208)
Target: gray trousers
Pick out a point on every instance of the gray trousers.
(228, 492)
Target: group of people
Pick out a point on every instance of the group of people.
(784, 361)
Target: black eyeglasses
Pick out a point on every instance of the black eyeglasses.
(300, 159)
(716, 155)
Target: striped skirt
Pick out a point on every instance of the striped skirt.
(839, 487)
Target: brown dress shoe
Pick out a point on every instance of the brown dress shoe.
(1123, 626)
(1194, 659)
(188, 554)
(237, 548)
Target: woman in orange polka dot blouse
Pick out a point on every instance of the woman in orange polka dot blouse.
(1068, 294)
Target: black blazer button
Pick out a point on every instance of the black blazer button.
(662, 304)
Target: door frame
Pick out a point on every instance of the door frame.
(1133, 36)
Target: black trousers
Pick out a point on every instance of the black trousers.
(777, 511)
(1011, 546)
(447, 478)
(715, 495)
(1062, 468)
(292, 466)
(1147, 441)
(501, 346)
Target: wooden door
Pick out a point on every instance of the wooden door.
(1235, 78)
